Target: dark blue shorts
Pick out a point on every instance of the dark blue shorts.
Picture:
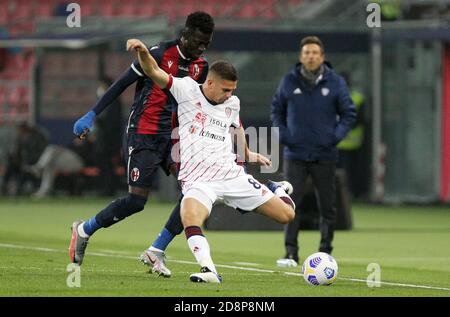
(144, 154)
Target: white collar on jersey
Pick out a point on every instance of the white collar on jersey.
(181, 54)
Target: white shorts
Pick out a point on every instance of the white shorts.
(243, 193)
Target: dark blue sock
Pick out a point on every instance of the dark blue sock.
(120, 209)
(91, 226)
(163, 240)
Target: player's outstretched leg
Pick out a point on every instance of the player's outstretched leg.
(280, 208)
(113, 213)
(282, 189)
(193, 214)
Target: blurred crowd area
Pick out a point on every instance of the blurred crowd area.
(21, 18)
(30, 165)
(63, 83)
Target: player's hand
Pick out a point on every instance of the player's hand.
(258, 159)
(84, 124)
(136, 45)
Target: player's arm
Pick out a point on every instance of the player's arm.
(148, 63)
(346, 111)
(84, 124)
(250, 157)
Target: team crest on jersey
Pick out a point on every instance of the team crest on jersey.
(200, 117)
(196, 71)
(228, 111)
(134, 174)
(325, 91)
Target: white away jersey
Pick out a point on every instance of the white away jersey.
(204, 129)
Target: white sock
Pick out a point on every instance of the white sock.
(200, 248)
(81, 232)
(152, 248)
(285, 197)
(280, 192)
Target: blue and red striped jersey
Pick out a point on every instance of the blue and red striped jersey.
(152, 108)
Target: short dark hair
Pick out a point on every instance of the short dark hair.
(224, 70)
(200, 20)
(312, 40)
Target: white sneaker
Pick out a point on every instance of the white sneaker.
(286, 263)
(157, 261)
(206, 276)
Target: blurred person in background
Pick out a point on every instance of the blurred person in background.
(54, 160)
(351, 156)
(313, 110)
(30, 144)
(107, 141)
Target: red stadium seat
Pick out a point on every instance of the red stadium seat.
(128, 8)
(2, 95)
(227, 7)
(169, 9)
(44, 9)
(19, 10)
(5, 14)
(211, 8)
(185, 7)
(147, 10)
(29, 60)
(14, 96)
(248, 11)
(108, 8)
(88, 7)
(24, 95)
(3, 17)
(268, 9)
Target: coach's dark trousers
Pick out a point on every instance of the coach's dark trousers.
(323, 177)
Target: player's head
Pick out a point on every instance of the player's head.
(312, 53)
(221, 81)
(197, 34)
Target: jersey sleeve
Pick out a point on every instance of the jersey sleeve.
(181, 88)
(156, 51)
(236, 121)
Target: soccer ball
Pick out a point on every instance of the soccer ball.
(320, 269)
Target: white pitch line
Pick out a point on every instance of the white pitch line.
(247, 263)
(111, 254)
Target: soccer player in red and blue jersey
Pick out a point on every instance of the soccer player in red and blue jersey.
(148, 142)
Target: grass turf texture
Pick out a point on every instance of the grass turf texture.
(409, 243)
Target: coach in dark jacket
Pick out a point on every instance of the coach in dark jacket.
(313, 110)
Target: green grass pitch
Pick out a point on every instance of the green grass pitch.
(411, 245)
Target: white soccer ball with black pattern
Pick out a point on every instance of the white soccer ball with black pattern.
(320, 269)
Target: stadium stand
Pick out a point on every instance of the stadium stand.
(20, 17)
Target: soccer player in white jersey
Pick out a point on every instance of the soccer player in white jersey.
(208, 171)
